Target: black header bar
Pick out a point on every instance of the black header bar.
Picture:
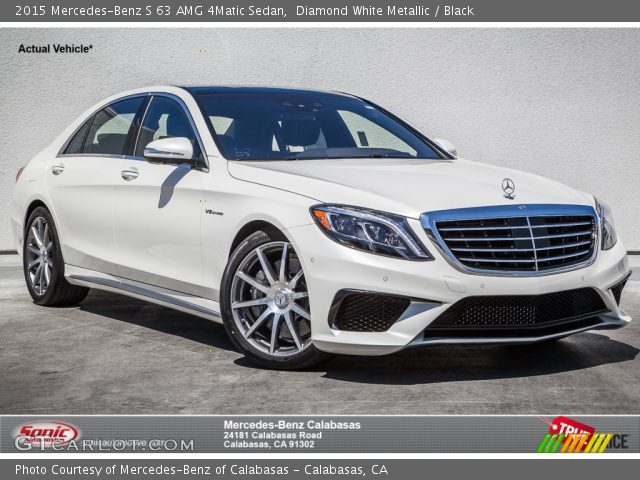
(320, 11)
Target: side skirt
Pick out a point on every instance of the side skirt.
(197, 306)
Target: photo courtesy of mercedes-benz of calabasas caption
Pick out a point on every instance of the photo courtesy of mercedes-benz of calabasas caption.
(310, 223)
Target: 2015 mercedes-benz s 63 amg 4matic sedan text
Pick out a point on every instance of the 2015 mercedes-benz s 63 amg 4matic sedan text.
(310, 223)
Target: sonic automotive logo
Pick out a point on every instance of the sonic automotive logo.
(570, 436)
(43, 434)
(52, 435)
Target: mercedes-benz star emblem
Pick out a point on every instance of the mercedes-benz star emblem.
(281, 300)
(508, 187)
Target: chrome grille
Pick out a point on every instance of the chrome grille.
(532, 239)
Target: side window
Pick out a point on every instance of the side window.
(367, 134)
(77, 141)
(110, 127)
(165, 118)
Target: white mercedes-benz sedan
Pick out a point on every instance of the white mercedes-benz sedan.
(310, 223)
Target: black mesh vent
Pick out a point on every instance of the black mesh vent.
(617, 290)
(367, 312)
(520, 310)
(516, 331)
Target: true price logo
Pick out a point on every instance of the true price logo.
(569, 436)
(569, 427)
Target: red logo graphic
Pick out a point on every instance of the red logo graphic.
(47, 433)
(570, 427)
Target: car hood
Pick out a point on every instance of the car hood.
(408, 187)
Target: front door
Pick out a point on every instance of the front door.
(158, 207)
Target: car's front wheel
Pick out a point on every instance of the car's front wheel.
(265, 304)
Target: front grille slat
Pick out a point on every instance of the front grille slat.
(530, 243)
(553, 247)
(565, 245)
(574, 224)
(562, 257)
(563, 235)
(486, 239)
(498, 260)
(465, 249)
(462, 229)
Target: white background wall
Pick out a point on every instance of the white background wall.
(564, 103)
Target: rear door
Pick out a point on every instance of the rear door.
(158, 206)
(81, 182)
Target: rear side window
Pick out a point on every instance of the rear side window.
(77, 141)
(107, 131)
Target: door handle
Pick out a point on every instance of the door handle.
(57, 169)
(129, 174)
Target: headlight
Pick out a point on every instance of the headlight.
(369, 230)
(609, 236)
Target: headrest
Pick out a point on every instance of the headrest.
(300, 130)
(111, 142)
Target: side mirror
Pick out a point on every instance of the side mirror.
(173, 150)
(446, 145)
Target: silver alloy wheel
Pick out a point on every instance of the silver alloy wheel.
(270, 302)
(39, 255)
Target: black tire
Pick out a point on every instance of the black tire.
(305, 358)
(58, 291)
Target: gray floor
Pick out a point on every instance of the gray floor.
(117, 355)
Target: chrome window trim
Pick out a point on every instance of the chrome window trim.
(428, 221)
(91, 155)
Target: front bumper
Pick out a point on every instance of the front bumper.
(433, 287)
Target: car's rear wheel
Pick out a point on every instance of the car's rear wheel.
(265, 304)
(43, 263)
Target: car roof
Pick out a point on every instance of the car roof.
(230, 89)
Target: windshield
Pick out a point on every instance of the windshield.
(283, 126)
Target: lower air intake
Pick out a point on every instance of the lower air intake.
(366, 312)
(520, 311)
(617, 290)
